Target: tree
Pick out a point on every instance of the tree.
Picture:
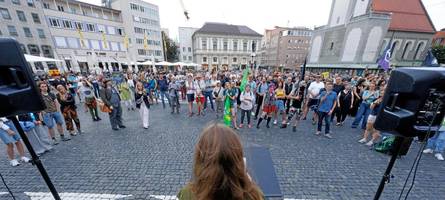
(439, 53)
(170, 49)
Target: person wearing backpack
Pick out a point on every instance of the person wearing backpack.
(246, 106)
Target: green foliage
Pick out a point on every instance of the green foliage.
(171, 49)
(439, 53)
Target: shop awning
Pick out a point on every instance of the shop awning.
(31, 58)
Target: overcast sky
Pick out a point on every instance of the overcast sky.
(259, 14)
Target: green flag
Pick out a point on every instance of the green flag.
(244, 80)
(227, 113)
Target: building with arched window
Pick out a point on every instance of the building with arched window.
(358, 31)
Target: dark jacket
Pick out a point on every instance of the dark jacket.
(138, 100)
(105, 95)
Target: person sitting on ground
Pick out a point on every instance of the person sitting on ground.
(219, 170)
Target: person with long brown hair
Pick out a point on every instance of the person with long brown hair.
(219, 171)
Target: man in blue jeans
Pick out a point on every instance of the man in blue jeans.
(163, 89)
(209, 85)
(328, 101)
(436, 144)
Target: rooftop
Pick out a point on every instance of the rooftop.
(407, 15)
(227, 29)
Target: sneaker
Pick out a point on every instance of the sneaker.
(328, 135)
(25, 159)
(428, 151)
(275, 122)
(73, 133)
(362, 141)
(241, 126)
(439, 156)
(63, 138)
(317, 133)
(55, 142)
(14, 163)
(122, 126)
(294, 129)
(370, 143)
(338, 124)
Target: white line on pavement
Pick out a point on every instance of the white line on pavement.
(74, 196)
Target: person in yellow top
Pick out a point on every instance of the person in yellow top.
(280, 95)
(219, 170)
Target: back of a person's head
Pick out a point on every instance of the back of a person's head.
(219, 170)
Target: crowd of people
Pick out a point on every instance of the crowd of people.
(251, 99)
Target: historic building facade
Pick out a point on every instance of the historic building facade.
(219, 46)
(285, 48)
(358, 31)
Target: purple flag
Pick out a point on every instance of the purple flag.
(384, 59)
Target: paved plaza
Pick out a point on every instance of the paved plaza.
(135, 163)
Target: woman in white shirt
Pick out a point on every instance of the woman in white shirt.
(190, 88)
(246, 106)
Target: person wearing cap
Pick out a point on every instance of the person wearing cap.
(111, 98)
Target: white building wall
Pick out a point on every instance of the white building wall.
(360, 7)
(372, 44)
(186, 41)
(339, 12)
(352, 42)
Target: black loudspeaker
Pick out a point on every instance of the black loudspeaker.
(413, 101)
(18, 91)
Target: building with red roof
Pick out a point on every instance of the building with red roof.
(439, 38)
(358, 31)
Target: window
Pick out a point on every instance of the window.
(407, 46)
(190, 49)
(101, 28)
(33, 49)
(394, 45)
(204, 43)
(418, 51)
(16, 2)
(235, 45)
(67, 24)
(111, 30)
(138, 30)
(60, 8)
(234, 59)
(46, 5)
(225, 45)
(91, 27)
(114, 46)
(21, 15)
(215, 59)
(41, 33)
(142, 52)
(245, 46)
(12, 31)
(95, 44)
(120, 31)
(204, 59)
(47, 52)
(183, 49)
(73, 43)
(139, 41)
(332, 46)
(184, 58)
(5, 13)
(78, 25)
(60, 42)
(54, 22)
(190, 58)
(73, 10)
(134, 7)
(30, 3)
(215, 44)
(35, 18)
(253, 46)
